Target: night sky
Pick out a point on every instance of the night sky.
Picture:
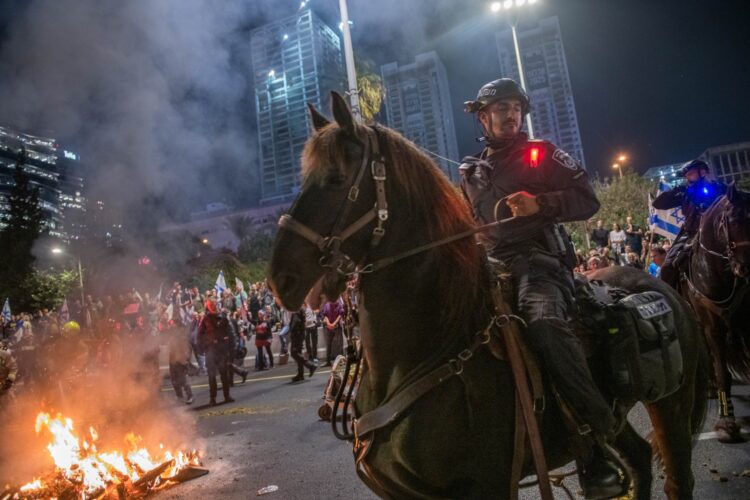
(659, 80)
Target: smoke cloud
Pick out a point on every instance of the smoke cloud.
(152, 94)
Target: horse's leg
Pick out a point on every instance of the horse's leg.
(726, 427)
(672, 430)
(637, 452)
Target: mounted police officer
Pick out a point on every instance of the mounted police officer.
(694, 198)
(517, 176)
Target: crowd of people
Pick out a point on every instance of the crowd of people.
(626, 245)
(205, 334)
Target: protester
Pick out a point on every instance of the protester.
(658, 255)
(332, 313)
(297, 331)
(215, 338)
(311, 333)
(633, 236)
(600, 235)
(179, 359)
(263, 338)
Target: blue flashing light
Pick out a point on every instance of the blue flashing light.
(705, 190)
(286, 37)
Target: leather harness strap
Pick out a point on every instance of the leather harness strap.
(398, 403)
(516, 360)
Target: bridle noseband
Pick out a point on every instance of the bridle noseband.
(333, 258)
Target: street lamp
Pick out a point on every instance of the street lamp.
(351, 72)
(59, 251)
(618, 167)
(508, 5)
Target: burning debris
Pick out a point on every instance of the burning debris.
(84, 472)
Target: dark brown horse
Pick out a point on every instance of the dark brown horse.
(716, 284)
(456, 441)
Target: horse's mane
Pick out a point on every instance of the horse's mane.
(429, 197)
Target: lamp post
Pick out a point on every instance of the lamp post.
(618, 167)
(508, 5)
(620, 164)
(351, 72)
(59, 251)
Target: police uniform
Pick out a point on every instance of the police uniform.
(694, 199)
(541, 260)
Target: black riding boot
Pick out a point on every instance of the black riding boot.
(599, 476)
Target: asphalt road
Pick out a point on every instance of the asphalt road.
(272, 435)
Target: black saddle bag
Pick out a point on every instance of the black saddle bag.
(643, 348)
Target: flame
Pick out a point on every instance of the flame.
(79, 461)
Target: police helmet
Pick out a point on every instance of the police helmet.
(700, 164)
(496, 90)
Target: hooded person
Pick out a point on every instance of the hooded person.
(215, 339)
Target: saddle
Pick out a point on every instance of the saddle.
(632, 335)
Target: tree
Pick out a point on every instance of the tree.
(24, 224)
(43, 289)
(620, 198)
(240, 225)
(257, 248)
(371, 91)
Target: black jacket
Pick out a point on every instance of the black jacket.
(693, 200)
(561, 185)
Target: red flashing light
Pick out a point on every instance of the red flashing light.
(534, 157)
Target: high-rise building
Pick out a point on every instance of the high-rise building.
(54, 171)
(730, 162)
(553, 112)
(296, 61)
(418, 105)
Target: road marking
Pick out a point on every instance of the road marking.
(247, 358)
(250, 380)
(712, 435)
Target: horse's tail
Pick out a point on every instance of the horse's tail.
(701, 385)
(738, 352)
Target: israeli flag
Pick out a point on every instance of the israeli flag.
(7, 315)
(665, 222)
(221, 283)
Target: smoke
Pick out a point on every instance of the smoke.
(152, 94)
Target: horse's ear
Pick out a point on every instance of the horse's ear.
(319, 121)
(731, 192)
(341, 113)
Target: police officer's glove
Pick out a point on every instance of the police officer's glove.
(7, 384)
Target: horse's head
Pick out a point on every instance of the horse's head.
(735, 229)
(329, 226)
(359, 183)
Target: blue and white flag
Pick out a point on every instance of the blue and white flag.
(665, 222)
(221, 284)
(64, 313)
(7, 315)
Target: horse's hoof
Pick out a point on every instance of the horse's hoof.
(728, 431)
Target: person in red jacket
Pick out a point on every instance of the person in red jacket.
(215, 338)
(263, 337)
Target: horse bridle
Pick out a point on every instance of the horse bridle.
(731, 247)
(333, 258)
